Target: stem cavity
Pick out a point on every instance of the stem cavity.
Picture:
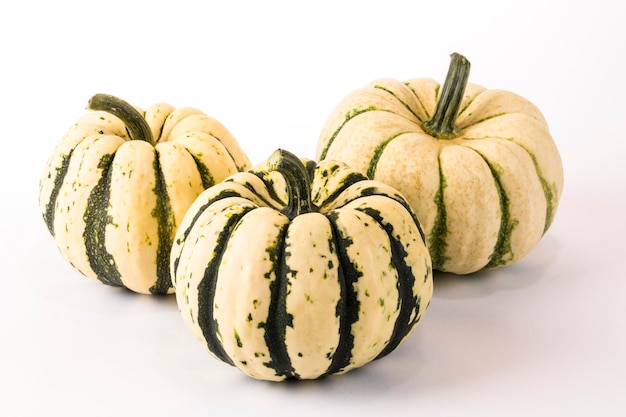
(136, 125)
(442, 124)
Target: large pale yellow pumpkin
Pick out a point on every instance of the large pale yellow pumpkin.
(478, 166)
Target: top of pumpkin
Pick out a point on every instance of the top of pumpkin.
(136, 125)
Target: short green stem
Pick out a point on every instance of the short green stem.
(136, 125)
(442, 124)
(297, 179)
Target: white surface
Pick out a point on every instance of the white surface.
(544, 337)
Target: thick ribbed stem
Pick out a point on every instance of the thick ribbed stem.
(136, 125)
(297, 179)
(442, 124)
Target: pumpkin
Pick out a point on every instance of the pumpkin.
(291, 272)
(120, 181)
(478, 166)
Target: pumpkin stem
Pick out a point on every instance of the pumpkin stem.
(297, 179)
(442, 124)
(136, 126)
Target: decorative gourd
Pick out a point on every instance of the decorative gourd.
(326, 281)
(120, 181)
(478, 166)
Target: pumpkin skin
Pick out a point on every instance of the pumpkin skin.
(485, 185)
(120, 181)
(297, 282)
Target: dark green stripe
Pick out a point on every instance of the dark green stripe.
(182, 236)
(278, 317)
(96, 219)
(348, 306)
(207, 287)
(59, 176)
(205, 173)
(162, 212)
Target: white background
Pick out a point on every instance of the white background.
(544, 337)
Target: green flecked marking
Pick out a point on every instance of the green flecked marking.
(437, 239)
(237, 338)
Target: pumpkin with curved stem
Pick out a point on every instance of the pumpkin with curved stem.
(324, 282)
(478, 166)
(120, 181)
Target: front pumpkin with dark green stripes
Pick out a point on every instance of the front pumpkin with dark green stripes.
(120, 181)
(299, 272)
(478, 166)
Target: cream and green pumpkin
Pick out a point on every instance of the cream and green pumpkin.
(120, 181)
(478, 166)
(294, 271)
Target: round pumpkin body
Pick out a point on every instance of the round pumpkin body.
(120, 181)
(486, 188)
(287, 281)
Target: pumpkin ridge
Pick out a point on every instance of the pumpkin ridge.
(163, 213)
(437, 237)
(378, 152)
(205, 174)
(348, 305)
(278, 317)
(503, 243)
(348, 181)
(101, 261)
(207, 287)
(408, 303)
(492, 116)
(61, 171)
(420, 101)
(380, 87)
(348, 116)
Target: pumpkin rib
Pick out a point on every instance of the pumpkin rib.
(348, 308)
(349, 117)
(380, 87)
(439, 232)
(503, 243)
(420, 101)
(549, 190)
(208, 283)
(100, 260)
(409, 304)
(378, 151)
(278, 317)
(165, 228)
(59, 177)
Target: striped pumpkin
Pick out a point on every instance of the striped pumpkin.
(120, 181)
(293, 275)
(479, 167)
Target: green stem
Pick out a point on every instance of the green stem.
(297, 179)
(136, 125)
(442, 124)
